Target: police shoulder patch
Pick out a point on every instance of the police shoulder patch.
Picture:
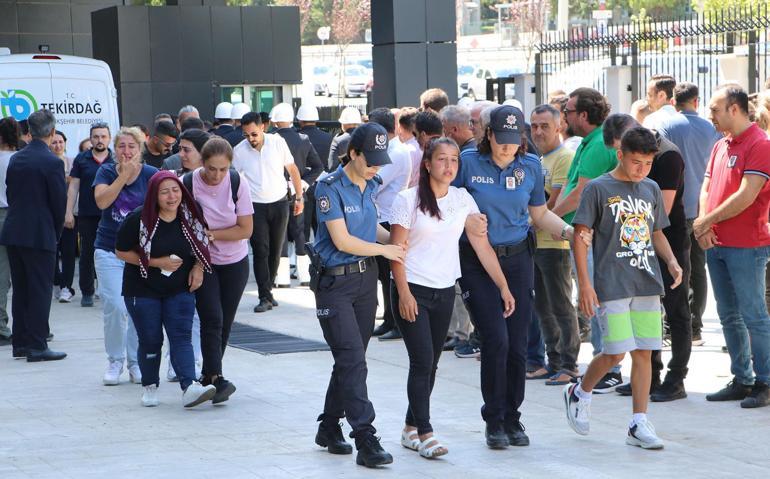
(324, 204)
(329, 179)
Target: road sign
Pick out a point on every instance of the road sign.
(602, 14)
(323, 33)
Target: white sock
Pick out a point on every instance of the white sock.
(637, 418)
(582, 395)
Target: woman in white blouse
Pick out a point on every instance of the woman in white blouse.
(431, 217)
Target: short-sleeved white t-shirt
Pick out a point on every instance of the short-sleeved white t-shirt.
(264, 169)
(433, 256)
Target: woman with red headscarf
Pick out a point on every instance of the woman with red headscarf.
(165, 247)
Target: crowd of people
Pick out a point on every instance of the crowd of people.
(479, 223)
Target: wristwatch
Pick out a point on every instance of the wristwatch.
(564, 232)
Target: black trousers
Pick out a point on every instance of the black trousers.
(267, 240)
(295, 232)
(383, 265)
(345, 306)
(87, 226)
(503, 340)
(64, 266)
(424, 341)
(677, 306)
(217, 302)
(699, 286)
(311, 222)
(32, 289)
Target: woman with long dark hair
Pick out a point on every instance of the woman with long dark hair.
(65, 254)
(9, 144)
(507, 184)
(431, 217)
(166, 250)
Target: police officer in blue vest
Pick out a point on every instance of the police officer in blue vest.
(344, 280)
(507, 184)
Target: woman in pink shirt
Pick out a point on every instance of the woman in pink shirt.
(228, 212)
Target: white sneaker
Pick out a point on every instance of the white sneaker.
(196, 393)
(150, 396)
(171, 374)
(65, 296)
(642, 434)
(282, 277)
(135, 374)
(578, 410)
(112, 375)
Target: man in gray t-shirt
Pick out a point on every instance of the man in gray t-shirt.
(624, 215)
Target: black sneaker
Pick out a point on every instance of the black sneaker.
(467, 350)
(19, 353)
(758, 397)
(263, 306)
(496, 437)
(382, 329)
(669, 391)
(624, 390)
(87, 301)
(371, 453)
(391, 335)
(516, 435)
(225, 389)
(697, 339)
(451, 343)
(609, 382)
(273, 302)
(734, 391)
(330, 436)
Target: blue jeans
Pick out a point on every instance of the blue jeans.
(175, 314)
(596, 333)
(738, 282)
(120, 341)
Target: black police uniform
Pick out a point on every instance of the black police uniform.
(322, 142)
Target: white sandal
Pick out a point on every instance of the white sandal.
(431, 452)
(410, 440)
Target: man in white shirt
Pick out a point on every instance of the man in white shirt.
(395, 177)
(660, 99)
(262, 159)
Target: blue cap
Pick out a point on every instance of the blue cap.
(507, 122)
(372, 140)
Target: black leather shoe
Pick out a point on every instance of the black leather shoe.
(390, 335)
(36, 355)
(382, 329)
(669, 391)
(19, 353)
(451, 344)
(758, 397)
(263, 306)
(371, 453)
(516, 434)
(625, 389)
(496, 437)
(273, 302)
(330, 436)
(49, 337)
(225, 389)
(734, 391)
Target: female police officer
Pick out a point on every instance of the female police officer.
(344, 279)
(507, 184)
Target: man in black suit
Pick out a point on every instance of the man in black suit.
(37, 199)
(309, 165)
(307, 116)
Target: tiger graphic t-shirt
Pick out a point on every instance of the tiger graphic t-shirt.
(623, 215)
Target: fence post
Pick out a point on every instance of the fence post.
(753, 76)
(538, 79)
(635, 71)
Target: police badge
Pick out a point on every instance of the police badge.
(518, 173)
(324, 205)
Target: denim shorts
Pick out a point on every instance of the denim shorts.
(630, 323)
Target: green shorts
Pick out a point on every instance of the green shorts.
(630, 323)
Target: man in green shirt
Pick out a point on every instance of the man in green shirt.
(585, 113)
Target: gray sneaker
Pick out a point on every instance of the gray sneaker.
(642, 434)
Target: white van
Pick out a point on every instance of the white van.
(79, 91)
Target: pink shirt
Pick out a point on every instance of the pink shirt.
(416, 154)
(220, 213)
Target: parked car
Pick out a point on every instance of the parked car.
(352, 83)
(477, 85)
(464, 74)
(321, 80)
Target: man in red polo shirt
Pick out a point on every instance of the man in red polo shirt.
(732, 226)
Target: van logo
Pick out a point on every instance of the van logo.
(17, 103)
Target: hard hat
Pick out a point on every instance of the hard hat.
(307, 113)
(514, 103)
(350, 116)
(282, 112)
(223, 111)
(466, 102)
(240, 109)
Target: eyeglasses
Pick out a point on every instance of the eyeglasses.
(567, 111)
(167, 145)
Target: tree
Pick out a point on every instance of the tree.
(530, 16)
(714, 6)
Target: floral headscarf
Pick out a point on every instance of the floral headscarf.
(190, 218)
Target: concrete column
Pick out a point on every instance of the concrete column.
(618, 88)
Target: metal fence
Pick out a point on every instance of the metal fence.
(705, 49)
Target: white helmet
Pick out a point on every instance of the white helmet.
(239, 109)
(307, 113)
(514, 103)
(282, 112)
(466, 102)
(350, 116)
(223, 111)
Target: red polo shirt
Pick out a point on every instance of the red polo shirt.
(731, 159)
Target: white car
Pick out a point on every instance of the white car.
(353, 81)
(477, 85)
(321, 80)
(464, 74)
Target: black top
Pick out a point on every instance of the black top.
(153, 160)
(668, 172)
(305, 157)
(168, 240)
